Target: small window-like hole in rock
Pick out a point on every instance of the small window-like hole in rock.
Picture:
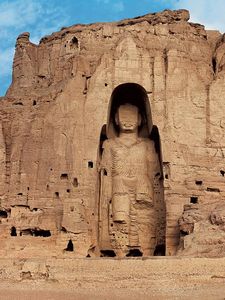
(107, 253)
(20, 194)
(105, 172)
(34, 102)
(198, 182)
(3, 214)
(71, 208)
(13, 231)
(69, 246)
(64, 176)
(134, 253)
(90, 164)
(75, 182)
(88, 256)
(166, 176)
(47, 187)
(183, 233)
(160, 250)
(213, 190)
(18, 103)
(68, 190)
(106, 84)
(194, 200)
(74, 41)
(28, 188)
(222, 173)
(41, 232)
(57, 194)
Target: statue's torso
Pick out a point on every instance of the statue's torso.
(131, 165)
(129, 161)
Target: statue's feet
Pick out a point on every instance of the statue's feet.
(120, 253)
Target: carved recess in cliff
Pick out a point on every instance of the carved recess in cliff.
(131, 204)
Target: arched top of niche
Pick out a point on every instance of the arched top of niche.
(134, 94)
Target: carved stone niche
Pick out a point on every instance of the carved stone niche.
(131, 197)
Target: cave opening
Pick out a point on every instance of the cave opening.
(74, 42)
(3, 214)
(13, 231)
(64, 176)
(198, 182)
(35, 232)
(90, 164)
(41, 232)
(70, 247)
(160, 250)
(107, 253)
(183, 233)
(134, 253)
(222, 172)
(194, 200)
(75, 182)
(216, 190)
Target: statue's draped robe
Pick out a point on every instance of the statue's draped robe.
(127, 213)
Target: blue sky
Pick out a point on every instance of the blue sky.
(42, 17)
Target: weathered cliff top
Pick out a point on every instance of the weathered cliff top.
(165, 17)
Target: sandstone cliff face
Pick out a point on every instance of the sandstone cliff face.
(54, 110)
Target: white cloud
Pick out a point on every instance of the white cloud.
(16, 16)
(206, 12)
(118, 6)
(18, 13)
(6, 58)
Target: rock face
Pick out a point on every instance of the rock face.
(203, 230)
(54, 131)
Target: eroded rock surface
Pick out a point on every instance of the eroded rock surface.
(203, 231)
(52, 130)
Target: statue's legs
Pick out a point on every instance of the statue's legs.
(120, 229)
(121, 207)
(146, 230)
(133, 232)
